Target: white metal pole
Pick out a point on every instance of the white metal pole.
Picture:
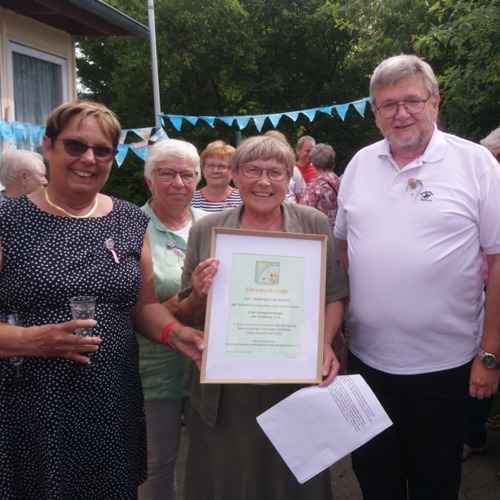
(154, 62)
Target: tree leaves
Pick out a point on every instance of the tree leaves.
(236, 57)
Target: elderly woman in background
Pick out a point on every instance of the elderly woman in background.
(172, 170)
(321, 192)
(229, 455)
(492, 142)
(21, 172)
(297, 184)
(74, 432)
(218, 194)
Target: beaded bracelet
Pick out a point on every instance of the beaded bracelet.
(166, 332)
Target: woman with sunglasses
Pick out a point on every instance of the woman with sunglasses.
(218, 194)
(72, 429)
(229, 455)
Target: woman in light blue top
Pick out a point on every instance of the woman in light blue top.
(171, 171)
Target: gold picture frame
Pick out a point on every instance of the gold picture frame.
(266, 308)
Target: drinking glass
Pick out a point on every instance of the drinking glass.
(83, 307)
(16, 361)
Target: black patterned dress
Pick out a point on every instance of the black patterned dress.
(72, 433)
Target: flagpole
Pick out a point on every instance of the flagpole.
(154, 62)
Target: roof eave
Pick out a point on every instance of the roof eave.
(113, 16)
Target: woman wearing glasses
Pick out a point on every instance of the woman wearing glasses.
(229, 455)
(171, 171)
(218, 194)
(72, 429)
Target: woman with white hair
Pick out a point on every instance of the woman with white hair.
(492, 142)
(172, 170)
(21, 172)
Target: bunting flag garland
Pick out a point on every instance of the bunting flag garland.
(274, 118)
(19, 134)
(158, 136)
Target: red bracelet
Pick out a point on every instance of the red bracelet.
(166, 332)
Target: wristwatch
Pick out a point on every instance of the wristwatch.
(489, 360)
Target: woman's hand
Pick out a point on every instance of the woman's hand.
(202, 278)
(189, 341)
(340, 350)
(191, 309)
(58, 340)
(331, 366)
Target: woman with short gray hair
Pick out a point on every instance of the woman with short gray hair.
(21, 172)
(492, 142)
(321, 193)
(171, 171)
(229, 456)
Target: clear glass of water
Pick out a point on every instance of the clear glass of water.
(83, 307)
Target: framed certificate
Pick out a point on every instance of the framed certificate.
(266, 308)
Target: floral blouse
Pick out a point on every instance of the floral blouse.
(321, 193)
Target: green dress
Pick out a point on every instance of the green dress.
(162, 370)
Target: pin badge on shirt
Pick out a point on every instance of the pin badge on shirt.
(413, 184)
(110, 246)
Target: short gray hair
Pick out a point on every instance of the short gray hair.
(262, 147)
(492, 140)
(14, 161)
(303, 139)
(394, 69)
(323, 156)
(171, 150)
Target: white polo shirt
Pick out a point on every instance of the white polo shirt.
(414, 244)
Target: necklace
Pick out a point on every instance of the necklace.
(66, 212)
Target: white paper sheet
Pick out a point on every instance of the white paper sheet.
(317, 426)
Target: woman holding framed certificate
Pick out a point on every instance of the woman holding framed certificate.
(229, 455)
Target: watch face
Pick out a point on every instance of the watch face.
(489, 361)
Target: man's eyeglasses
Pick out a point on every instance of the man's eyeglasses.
(167, 175)
(75, 148)
(254, 172)
(412, 106)
(219, 166)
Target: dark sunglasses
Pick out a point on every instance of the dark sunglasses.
(76, 149)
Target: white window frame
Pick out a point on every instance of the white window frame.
(36, 54)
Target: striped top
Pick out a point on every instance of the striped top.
(231, 201)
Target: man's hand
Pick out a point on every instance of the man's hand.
(483, 381)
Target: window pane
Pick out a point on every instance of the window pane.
(37, 88)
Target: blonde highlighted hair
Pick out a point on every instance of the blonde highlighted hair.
(217, 148)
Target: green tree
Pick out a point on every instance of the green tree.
(233, 58)
(461, 38)
(238, 57)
